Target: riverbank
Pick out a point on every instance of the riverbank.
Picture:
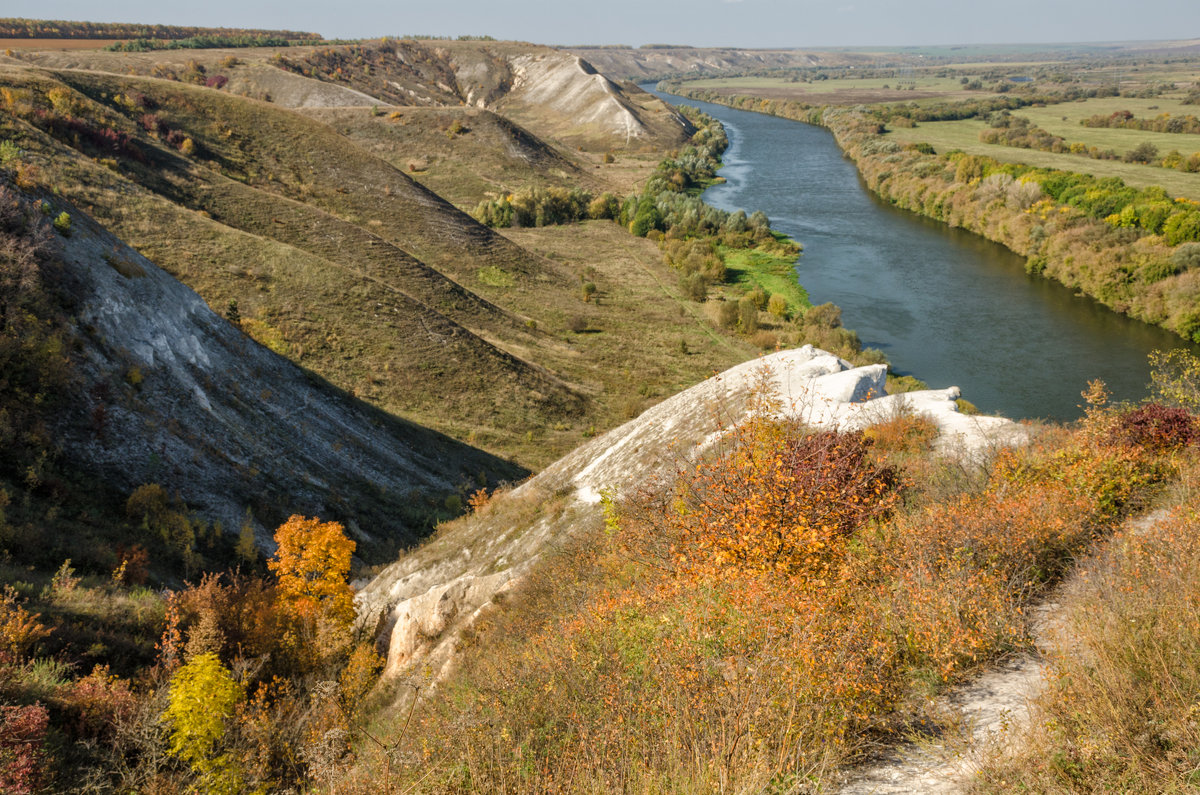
(1124, 267)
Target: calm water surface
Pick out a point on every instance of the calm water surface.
(945, 305)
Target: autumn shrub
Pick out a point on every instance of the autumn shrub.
(97, 703)
(1158, 427)
(22, 751)
(780, 500)
(312, 568)
(203, 696)
(20, 629)
(906, 431)
(1175, 378)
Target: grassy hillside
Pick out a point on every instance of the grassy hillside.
(337, 258)
(461, 154)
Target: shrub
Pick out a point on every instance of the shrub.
(22, 754)
(779, 500)
(20, 630)
(62, 223)
(827, 315)
(1157, 427)
(727, 314)
(778, 306)
(203, 696)
(312, 564)
(1144, 152)
(1186, 257)
(1175, 378)
(747, 310)
(694, 286)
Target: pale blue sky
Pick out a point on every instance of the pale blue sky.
(741, 23)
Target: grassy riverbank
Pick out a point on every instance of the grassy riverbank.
(1094, 235)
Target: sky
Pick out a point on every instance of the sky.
(708, 23)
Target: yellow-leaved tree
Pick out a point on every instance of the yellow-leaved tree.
(312, 568)
(203, 696)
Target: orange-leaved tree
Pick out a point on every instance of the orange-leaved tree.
(312, 565)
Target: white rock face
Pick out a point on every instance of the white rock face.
(186, 400)
(559, 82)
(420, 604)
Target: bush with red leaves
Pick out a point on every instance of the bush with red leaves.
(22, 735)
(1158, 427)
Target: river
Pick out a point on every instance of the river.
(945, 305)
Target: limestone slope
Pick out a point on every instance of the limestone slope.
(420, 604)
(168, 392)
(552, 93)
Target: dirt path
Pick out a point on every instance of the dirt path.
(990, 709)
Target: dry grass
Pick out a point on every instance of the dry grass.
(1119, 713)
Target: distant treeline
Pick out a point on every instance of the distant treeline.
(64, 29)
(198, 43)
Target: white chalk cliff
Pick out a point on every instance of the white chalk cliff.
(419, 605)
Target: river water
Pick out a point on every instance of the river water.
(945, 305)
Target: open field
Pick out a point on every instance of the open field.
(1064, 120)
(964, 135)
(842, 91)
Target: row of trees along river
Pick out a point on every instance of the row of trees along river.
(945, 305)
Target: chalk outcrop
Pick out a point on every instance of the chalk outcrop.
(168, 392)
(420, 604)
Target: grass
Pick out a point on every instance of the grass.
(964, 135)
(487, 155)
(1118, 712)
(637, 313)
(1064, 120)
(751, 268)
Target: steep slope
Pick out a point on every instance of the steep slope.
(284, 153)
(335, 293)
(165, 391)
(419, 606)
(564, 97)
(552, 93)
(461, 153)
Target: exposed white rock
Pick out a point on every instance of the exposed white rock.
(561, 82)
(186, 400)
(419, 605)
